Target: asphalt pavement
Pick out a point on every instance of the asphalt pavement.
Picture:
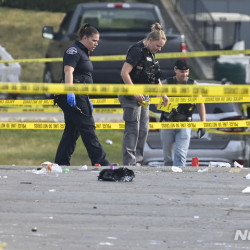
(159, 209)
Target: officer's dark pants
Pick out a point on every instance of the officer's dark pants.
(79, 124)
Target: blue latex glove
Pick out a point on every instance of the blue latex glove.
(71, 99)
(91, 105)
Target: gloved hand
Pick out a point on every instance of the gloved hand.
(71, 99)
(201, 132)
(91, 105)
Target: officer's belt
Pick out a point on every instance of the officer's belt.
(178, 118)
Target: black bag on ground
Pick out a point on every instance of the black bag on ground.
(120, 174)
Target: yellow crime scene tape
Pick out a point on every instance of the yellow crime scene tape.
(27, 102)
(53, 109)
(215, 131)
(216, 99)
(201, 53)
(29, 110)
(225, 93)
(152, 125)
(126, 89)
(48, 105)
(46, 102)
(108, 110)
(153, 100)
(123, 57)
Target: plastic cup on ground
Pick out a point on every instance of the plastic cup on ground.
(195, 162)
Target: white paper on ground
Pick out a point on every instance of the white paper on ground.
(246, 190)
(237, 165)
(176, 169)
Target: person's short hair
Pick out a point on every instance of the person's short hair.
(181, 64)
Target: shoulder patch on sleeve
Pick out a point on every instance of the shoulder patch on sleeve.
(71, 51)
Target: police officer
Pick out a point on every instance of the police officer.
(77, 68)
(140, 67)
(179, 138)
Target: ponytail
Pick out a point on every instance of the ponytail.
(87, 30)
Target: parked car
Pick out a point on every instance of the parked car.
(218, 147)
(120, 25)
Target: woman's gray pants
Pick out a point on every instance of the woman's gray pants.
(135, 135)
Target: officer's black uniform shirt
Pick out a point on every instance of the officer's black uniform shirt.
(77, 57)
(139, 57)
(135, 55)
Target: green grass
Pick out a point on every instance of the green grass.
(21, 36)
(32, 147)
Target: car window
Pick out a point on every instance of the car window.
(65, 23)
(119, 19)
(217, 108)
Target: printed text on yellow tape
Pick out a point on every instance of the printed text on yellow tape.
(153, 100)
(125, 89)
(152, 125)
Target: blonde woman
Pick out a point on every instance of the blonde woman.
(140, 67)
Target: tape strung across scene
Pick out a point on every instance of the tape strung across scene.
(215, 131)
(27, 102)
(152, 125)
(153, 100)
(55, 109)
(189, 94)
(29, 110)
(125, 89)
(123, 57)
(47, 106)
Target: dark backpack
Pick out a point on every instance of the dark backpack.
(120, 174)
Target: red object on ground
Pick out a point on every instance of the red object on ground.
(195, 162)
